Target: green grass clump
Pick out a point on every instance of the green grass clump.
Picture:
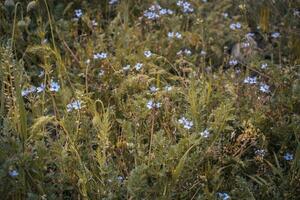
(149, 99)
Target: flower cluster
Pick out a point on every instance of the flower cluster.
(75, 105)
(250, 80)
(101, 55)
(187, 124)
(260, 152)
(174, 35)
(235, 26)
(233, 62)
(185, 6)
(185, 51)
(155, 11)
(28, 91)
(151, 104)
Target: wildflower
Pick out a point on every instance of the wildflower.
(138, 66)
(225, 15)
(223, 195)
(250, 80)
(54, 86)
(41, 88)
(88, 61)
(264, 66)
(205, 133)
(155, 11)
(203, 53)
(75, 105)
(94, 22)
(187, 52)
(78, 13)
(296, 13)
(111, 2)
(153, 89)
(25, 92)
(288, 156)
(101, 55)
(233, 62)
(152, 105)
(120, 178)
(185, 6)
(168, 88)
(235, 26)
(187, 124)
(13, 173)
(275, 35)
(260, 152)
(264, 88)
(249, 35)
(178, 35)
(148, 54)
(126, 68)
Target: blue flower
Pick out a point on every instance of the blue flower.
(235, 26)
(13, 173)
(153, 89)
(250, 80)
(155, 11)
(275, 35)
(264, 88)
(101, 55)
(288, 156)
(54, 86)
(78, 13)
(223, 195)
(185, 6)
(138, 66)
(233, 62)
(148, 54)
(205, 133)
(75, 105)
(151, 104)
(41, 88)
(187, 124)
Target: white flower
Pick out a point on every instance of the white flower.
(264, 88)
(153, 89)
(275, 35)
(101, 55)
(94, 22)
(233, 62)
(138, 66)
(205, 133)
(264, 65)
(41, 88)
(148, 54)
(155, 11)
(187, 52)
(178, 35)
(111, 2)
(260, 152)
(245, 44)
(168, 88)
(126, 68)
(203, 53)
(101, 73)
(250, 80)
(225, 15)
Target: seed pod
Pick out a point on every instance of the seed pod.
(31, 6)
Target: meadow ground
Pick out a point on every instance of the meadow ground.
(142, 99)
